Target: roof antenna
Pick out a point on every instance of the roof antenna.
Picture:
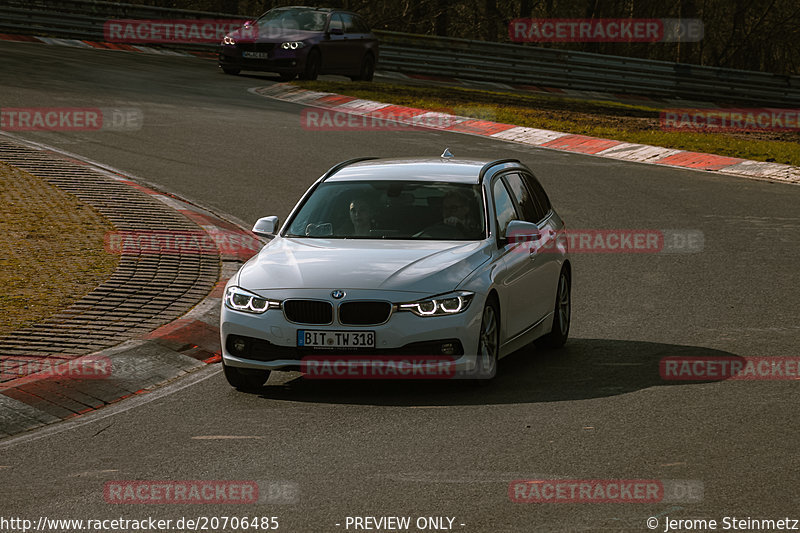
(446, 154)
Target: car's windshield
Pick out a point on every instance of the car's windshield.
(293, 19)
(391, 210)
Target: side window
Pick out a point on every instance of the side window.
(336, 23)
(503, 207)
(349, 25)
(531, 211)
(538, 192)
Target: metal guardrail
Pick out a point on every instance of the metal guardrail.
(459, 58)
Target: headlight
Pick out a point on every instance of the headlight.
(238, 299)
(228, 40)
(293, 45)
(447, 304)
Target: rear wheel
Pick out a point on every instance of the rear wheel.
(311, 70)
(245, 379)
(367, 71)
(231, 70)
(561, 315)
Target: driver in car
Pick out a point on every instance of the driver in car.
(362, 215)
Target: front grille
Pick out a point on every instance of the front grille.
(308, 311)
(255, 47)
(364, 313)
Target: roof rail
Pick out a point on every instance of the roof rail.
(485, 168)
(339, 166)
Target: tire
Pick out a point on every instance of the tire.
(311, 69)
(488, 343)
(245, 379)
(367, 71)
(562, 315)
(231, 70)
(286, 76)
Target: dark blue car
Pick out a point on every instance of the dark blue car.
(302, 41)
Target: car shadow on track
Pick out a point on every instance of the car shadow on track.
(583, 369)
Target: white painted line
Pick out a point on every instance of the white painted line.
(761, 169)
(225, 437)
(637, 152)
(363, 106)
(532, 136)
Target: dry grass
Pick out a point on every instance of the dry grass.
(51, 249)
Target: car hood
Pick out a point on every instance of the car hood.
(273, 35)
(431, 267)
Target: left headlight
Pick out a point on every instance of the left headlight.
(292, 45)
(239, 299)
(228, 40)
(446, 304)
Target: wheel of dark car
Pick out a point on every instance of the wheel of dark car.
(231, 71)
(367, 71)
(311, 70)
(561, 315)
(245, 379)
(286, 76)
(488, 343)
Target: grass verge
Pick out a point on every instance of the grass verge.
(604, 119)
(51, 249)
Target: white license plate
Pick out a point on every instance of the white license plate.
(335, 339)
(256, 55)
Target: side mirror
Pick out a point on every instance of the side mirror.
(336, 31)
(266, 226)
(247, 23)
(521, 231)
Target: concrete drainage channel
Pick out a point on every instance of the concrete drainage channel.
(138, 306)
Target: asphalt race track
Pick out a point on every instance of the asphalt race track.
(598, 409)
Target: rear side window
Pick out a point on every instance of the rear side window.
(349, 24)
(531, 211)
(503, 207)
(336, 23)
(538, 192)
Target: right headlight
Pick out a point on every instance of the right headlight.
(239, 299)
(446, 304)
(228, 40)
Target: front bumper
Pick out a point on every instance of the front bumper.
(278, 60)
(271, 339)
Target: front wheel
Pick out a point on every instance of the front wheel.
(561, 315)
(311, 70)
(231, 71)
(287, 76)
(245, 379)
(488, 343)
